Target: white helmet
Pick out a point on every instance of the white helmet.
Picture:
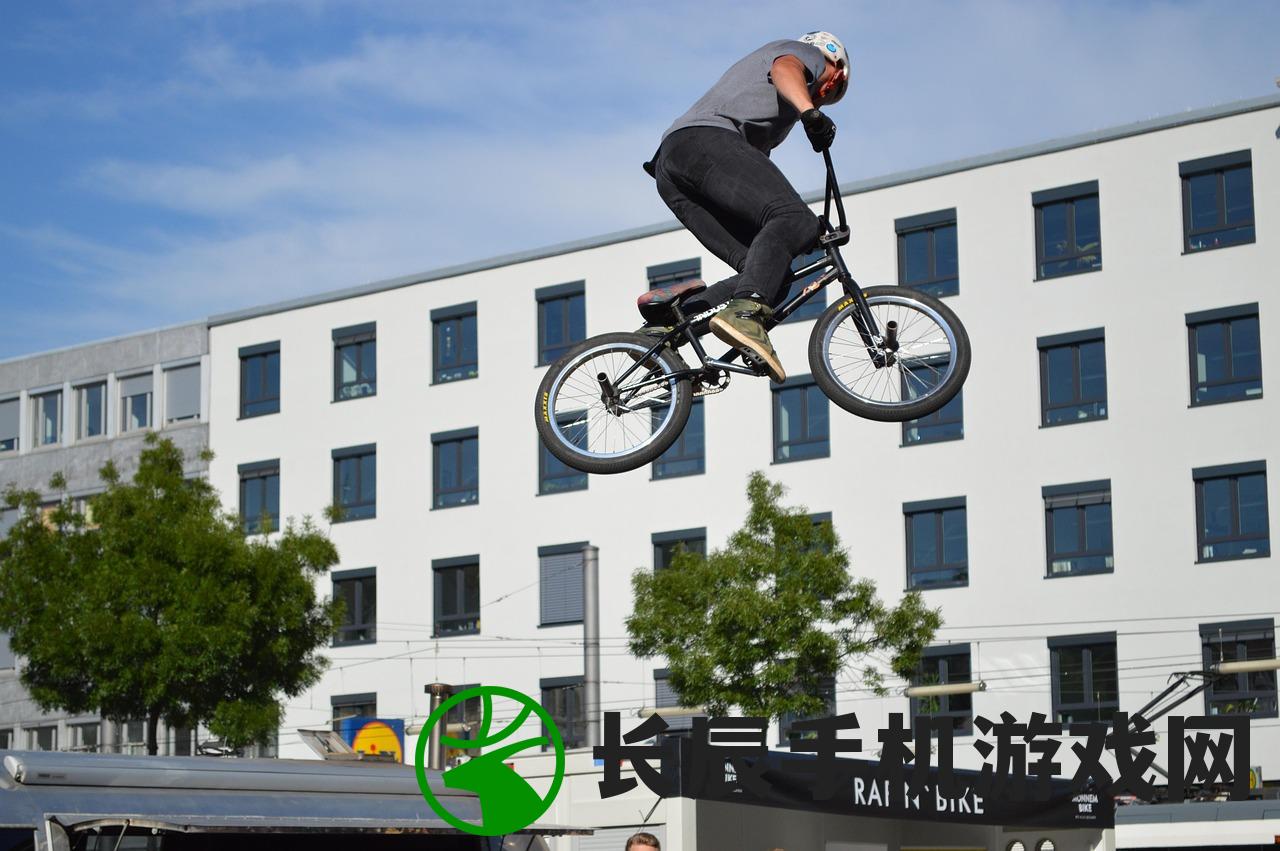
(833, 49)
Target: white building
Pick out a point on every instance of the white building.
(1118, 289)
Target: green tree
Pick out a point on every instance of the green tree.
(762, 623)
(161, 608)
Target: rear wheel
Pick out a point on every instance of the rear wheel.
(606, 407)
(907, 380)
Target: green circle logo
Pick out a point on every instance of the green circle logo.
(507, 802)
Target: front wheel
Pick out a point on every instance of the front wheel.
(604, 407)
(903, 375)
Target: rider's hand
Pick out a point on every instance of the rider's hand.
(820, 129)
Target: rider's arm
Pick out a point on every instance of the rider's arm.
(788, 76)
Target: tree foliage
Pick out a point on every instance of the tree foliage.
(160, 608)
(761, 624)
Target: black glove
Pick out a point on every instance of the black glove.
(820, 129)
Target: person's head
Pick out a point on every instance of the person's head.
(835, 82)
(643, 842)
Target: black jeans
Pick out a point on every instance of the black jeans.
(740, 206)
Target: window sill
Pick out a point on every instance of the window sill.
(97, 438)
(360, 643)
(1186, 251)
(436, 382)
(1100, 572)
(455, 634)
(354, 398)
(940, 586)
(354, 519)
(806, 458)
(475, 501)
(934, 440)
(190, 422)
(653, 478)
(559, 624)
(256, 416)
(1218, 559)
(1074, 422)
(559, 493)
(1224, 401)
(1072, 274)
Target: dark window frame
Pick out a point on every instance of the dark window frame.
(560, 292)
(258, 474)
(1069, 196)
(810, 391)
(442, 371)
(572, 725)
(1077, 497)
(353, 621)
(363, 339)
(675, 272)
(1074, 340)
(1087, 644)
(1232, 473)
(664, 544)
(455, 442)
(941, 421)
(575, 479)
(572, 616)
(358, 700)
(259, 357)
(1238, 633)
(941, 654)
(1226, 317)
(938, 508)
(1217, 165)
(928, 224)
(664, 696)
(82, 409)
(13, 442)
(467, 621)
(35, 405)
(817, 303)
(364, 510)
(680, 452)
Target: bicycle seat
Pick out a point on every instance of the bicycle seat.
(666, 295)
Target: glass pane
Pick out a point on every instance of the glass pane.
(251, 503)
(348, 469)
(1239, 190)
(915, 256)
(790, 422)
(369, 600)
(1066, 531)
(447, 473)
(449, 591)
(251, 376)
(471, 588)
(955, 547)
(272, 380)
(471, 462)
(577, 318)
(1071, 675)
(1203, 192)
(1211, 363)
(1097, 526)
(553, 322)
(368, 478)
(1246, 353)
(348, 358)
(273, 499)
(468, 345)
(1093, 371)
(94, 397)
(924, 540)
(369, 361)
(818, 413)
(1054, 230)
(945, 255)
(447, 342)
(346, 592)
(1253, 504)
(1217, 507)
(1106, 681)
(1088, 229)
(1060, 365)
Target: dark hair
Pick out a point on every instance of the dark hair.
(643, 839)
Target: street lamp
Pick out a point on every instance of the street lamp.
(946, 690)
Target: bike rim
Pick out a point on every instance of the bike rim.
(924, 361)
(583, 424)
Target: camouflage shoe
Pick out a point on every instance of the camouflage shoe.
(741, 325)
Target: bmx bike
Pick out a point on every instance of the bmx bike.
(617, 401)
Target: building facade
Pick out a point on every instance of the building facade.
(70, 412)
(1091, 515)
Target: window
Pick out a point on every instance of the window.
(817, 303)
(677, 272)
(453, 333)
(667, 544)
(358, 591)
(1226, 357)
(560, 584)
(260, 379)
(1086, 685)
(927, 256)
(1068, 231)
(344, 706)
(6, 653)
(9, 421)
(664, 696)
(469, 713)
(135, 402)
(47, 414)
(1217, 201)
(42, 739)
(1252, 694)
(355, 361)
(946, 423)
(85, 737)
(562, 697)
(355, 481)
(457, 595)
(555, 476)
(827, 693)
(133, 737)
(937, 543)
(91, 410)
(260, 496)
(182, 393)
(800, 421)
(1073, 378)
(1077, 528)
(941, 666)
(456, 461)
(688, 455)
(1231, 511)
(6, 739)
(562, 319)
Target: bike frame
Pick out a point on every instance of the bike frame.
(832, 268)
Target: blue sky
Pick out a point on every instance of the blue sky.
(166, 160)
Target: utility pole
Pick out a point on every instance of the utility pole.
(591, 642)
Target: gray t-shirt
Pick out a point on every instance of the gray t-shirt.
(745, 101)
